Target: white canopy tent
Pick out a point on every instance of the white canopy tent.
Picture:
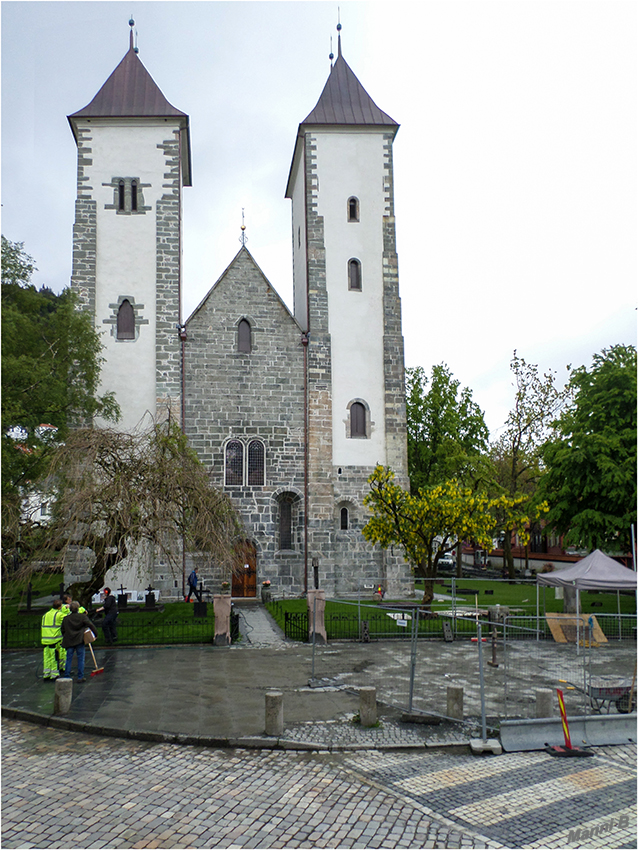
(595, 572)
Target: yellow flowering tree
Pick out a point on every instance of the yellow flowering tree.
(435, 520)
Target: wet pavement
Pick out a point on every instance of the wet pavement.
(331, 783)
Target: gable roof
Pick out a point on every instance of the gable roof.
(242, 261)
(131, 92)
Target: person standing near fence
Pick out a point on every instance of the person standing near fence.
(52, 640)
(192, 587)
(67, 599)
(109, 626)
(73, 628)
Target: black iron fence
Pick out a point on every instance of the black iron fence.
(138, 633)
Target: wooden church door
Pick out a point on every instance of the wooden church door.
(245, 584)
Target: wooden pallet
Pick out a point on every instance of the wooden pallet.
(566, 627)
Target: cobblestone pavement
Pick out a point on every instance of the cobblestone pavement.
(67, 790)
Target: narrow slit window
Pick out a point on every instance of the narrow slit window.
(353, 209)
(285, 525)
(234, 464)
(344, 519)
(244, 337)
(126, 321)
(134, 196)
(121, 197)
(256, 453)
(357, 419)
(354, 275)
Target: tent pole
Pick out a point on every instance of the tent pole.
(538, 625)
(619, 617)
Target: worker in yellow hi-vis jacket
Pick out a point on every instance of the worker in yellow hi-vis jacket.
(52, 640)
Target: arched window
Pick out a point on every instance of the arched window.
(353, 209)
(344, 519)
(126, 321)
(244, 341)
(256, 470)
(234, 463)
(134, 196)
(285, 524)
(357, 419)
(121, 198)
(354, 275)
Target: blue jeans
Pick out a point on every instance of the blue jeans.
(79, 650)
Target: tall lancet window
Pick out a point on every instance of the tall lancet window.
(256, 463)
(244, 337)
(354, 275)
(126, 321)
(353, 209)
(357, 419)
(234, 463)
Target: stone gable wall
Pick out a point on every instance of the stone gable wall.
(230, 394)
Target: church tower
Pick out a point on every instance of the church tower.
(345, 272)
(133, 160)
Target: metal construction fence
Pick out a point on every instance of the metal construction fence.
(411, 662)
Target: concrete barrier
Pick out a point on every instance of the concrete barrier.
(62, 696)
(274, 713)
(595, 731)
(368, 706)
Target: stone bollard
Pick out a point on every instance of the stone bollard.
(455, 702)
(544, 702)
(221, 607)
(62, 697)
(274, 713)
(368, 706)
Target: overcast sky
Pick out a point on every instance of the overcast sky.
(515, 163)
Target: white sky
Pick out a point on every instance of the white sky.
(515, 163)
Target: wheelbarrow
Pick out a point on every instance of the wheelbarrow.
(603, 691)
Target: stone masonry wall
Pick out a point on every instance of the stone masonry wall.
(168, 346)
(235, 395)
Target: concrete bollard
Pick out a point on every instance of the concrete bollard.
(274, 713)
(368, 706)
(62, 696)
(455, 702)
(544, 702)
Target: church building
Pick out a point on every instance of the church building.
(289, 412)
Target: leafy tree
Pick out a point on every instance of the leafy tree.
(447, 434)
(517, 453)
(590, 482)
(50, 371)
(432, 522)
(119, 494)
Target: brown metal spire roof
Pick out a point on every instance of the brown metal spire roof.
(345, 101)
(130, 91)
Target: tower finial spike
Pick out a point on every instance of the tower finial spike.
(332, 56)
(338, 31)
(243, 238)
(131, 23)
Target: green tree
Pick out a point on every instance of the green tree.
(119, 494)
(447, 434)
(50, 372)
(517, 455)
(430, 523)
(590, 482)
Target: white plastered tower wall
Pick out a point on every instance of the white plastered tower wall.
(355, 346)
(133, 160)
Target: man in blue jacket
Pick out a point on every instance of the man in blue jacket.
(192, 587)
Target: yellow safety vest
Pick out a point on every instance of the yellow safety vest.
(52, 626)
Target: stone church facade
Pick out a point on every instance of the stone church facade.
(290, 412)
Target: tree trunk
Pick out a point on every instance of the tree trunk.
(508, 559)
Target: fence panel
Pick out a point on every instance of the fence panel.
(143, 632)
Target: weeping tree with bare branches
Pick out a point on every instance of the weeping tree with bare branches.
(117, 494)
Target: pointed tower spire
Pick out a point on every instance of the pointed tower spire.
(338, 31)
(131, 23)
